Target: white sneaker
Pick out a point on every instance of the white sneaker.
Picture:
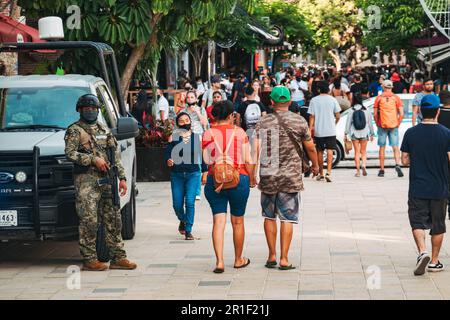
(422, 262)
(435, 267)
(198, 198)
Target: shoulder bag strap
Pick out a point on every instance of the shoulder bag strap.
(288, 132)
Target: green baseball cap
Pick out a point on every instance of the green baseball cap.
(280, 94)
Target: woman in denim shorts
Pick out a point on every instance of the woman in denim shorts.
(359, 137)
(237, 197)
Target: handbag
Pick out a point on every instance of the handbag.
(298, 147)
(348, 146)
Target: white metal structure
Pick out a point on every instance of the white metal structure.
(439, 13)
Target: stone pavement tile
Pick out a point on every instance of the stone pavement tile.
(244, 297)
(141, 296)
(284, 295)
(349, 281)
(10, 294)
(351, 294)
(209, 296)
(34, 296)
(423, 295)
(322, 294)
(316, 297)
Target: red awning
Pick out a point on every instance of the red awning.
(14, 31)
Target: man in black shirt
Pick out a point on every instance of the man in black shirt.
(444, 119)
(250, 111)
(356, 88)
(426, 148)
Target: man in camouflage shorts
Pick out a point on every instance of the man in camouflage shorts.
(86, 143)
(279, 140)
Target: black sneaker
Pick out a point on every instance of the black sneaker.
(381, 173)
(435, 267)
(182, 227)
(399, 171)
(189, 236)
(422, 262)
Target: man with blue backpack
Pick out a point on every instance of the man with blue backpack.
(359, 129)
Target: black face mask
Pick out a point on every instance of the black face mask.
(191, 104)
(186, 127)
(90, 117)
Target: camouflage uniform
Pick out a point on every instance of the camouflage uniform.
(91, 198)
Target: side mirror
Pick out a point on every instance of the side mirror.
(127, 128)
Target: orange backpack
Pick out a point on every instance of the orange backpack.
(225, 175)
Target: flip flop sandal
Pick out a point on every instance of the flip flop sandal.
(219, 270)
(270, 264)
(289, 267)
(244, 265)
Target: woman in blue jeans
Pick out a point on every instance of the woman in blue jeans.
(226, 138)
(183, 156)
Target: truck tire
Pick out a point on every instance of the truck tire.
(102, 248)
(339, 155)
(129, 214)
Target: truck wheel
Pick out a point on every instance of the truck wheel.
(129, 216)
(102, 248)
(338, 155)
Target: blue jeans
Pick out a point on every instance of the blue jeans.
(184, 187)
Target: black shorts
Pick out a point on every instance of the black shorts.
(323, 143)
(427, 214)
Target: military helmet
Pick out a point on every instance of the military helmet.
(88, 100)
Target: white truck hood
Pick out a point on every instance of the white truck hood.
(50, 142)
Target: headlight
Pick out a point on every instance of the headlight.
(21, 177)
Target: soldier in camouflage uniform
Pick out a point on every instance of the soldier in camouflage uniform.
(86, 145)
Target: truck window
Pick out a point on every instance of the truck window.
(53, 106)
(108, 110)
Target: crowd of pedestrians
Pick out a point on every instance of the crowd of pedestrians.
(272, 130)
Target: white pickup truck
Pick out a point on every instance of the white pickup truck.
(37, 198)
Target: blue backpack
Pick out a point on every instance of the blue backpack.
(359, 119)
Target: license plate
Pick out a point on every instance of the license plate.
(8, 218)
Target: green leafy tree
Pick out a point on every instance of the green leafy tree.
(137, 29)
(400, 21)
(335, 24)
(296, 27)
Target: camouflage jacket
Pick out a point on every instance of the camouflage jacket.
(82, 151)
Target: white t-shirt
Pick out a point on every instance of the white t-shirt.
(323, 108)
(162, 105)
(297, 94)
(344, 88)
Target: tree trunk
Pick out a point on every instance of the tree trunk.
(137, 54)
(197, 52)
(336, 58)
(133, 60)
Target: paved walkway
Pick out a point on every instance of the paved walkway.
(354, 242)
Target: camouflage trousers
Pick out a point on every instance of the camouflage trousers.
(94, 203)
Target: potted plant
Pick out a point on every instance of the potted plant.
(150, 148)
